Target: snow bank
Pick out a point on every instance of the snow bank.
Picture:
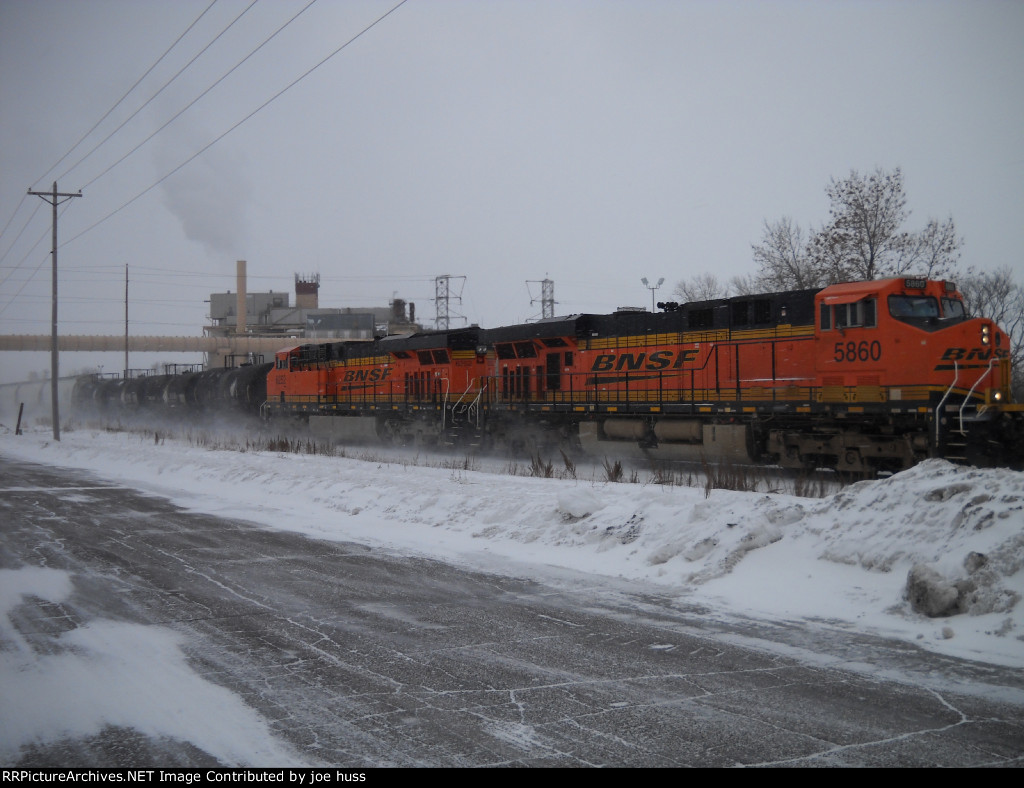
(957, 533)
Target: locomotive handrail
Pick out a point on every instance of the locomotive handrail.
(444, 402)
(969, 393)
(473, 408)
(938, 409)
(463, 395)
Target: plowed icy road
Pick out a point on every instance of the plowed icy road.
(355, 657)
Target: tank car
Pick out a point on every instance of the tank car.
(188, 395)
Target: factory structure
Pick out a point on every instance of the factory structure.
(272, 315)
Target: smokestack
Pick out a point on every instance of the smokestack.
(240, 311)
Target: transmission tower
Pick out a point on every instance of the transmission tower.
(443, 299)
(547, 297)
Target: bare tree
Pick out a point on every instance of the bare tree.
(700, 287)
(863, 239)
(783, 258)
(745, 285)
(997, 296)
(933, 253)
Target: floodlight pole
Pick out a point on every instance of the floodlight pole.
(54, 198)
(652, 288)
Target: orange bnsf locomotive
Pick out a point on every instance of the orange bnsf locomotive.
(420, 388)
(861, 377)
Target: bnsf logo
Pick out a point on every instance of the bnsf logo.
(659, 359)
(977, 354)
(366, 375)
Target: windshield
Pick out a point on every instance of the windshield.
(953, 307)
(904, 306)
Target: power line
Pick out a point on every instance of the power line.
(206, 147)
(165, 85)
(15, 213)
(32, 275)
(120, 100)
(217, 139)
(90, 131)
(22, 230)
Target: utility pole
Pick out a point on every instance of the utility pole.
(126, 321)
(55, 198)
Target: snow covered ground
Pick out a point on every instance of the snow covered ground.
(842, 559)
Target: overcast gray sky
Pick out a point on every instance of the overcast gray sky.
(593, 142)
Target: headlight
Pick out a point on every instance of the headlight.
(985, 335)
(997, 396)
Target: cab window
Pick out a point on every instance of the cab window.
(859, 314)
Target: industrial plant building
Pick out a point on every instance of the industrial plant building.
(273, 315)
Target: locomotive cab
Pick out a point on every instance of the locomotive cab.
(853, 343)
(906, 349)
(962, 355)
(905, 340)
(295, 380)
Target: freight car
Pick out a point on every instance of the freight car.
(860, 377)
(216, 393)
